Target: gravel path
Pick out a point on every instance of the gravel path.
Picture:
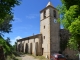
(27, 57)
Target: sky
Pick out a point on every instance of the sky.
(27, 18)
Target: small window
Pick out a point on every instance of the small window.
(54, 13)
(44, 37)
(44, 14)
(44, 27)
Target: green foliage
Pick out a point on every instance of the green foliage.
(6, 14)
(5, 25)
(74, 29)
(7, 47)
(69, 3)
(70, 18)
(14, 47)
(6, 17)
(4, 44)
(6, 7)
(73, 43)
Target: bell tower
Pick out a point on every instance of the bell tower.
(49, 28)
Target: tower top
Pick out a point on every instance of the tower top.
(49, 4)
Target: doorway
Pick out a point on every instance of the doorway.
(42, 50)
(26, 48)
(36, 45)
(30, 48)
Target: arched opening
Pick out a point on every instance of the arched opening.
(54, 13)
(30, 48)
(19, 47)
(22, 47)
(42, 51)
(44, 14)
(36, 45)
(26, 48)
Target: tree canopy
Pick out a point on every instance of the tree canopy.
(6, 14)
(6, 17)
(5, 25)
(6, 7)
(70, 17)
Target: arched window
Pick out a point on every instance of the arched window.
(54, 13)
(44, 14)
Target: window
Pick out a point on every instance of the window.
(44, 37)
(54, 13)
(44, 14)
(44, 27)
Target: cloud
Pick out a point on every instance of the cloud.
(16, 19)
(14, 40)
(32, 16)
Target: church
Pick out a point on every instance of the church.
(47, 41)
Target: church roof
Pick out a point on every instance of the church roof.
(49, 4)
(30, 37)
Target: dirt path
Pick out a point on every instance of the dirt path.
(27, 57)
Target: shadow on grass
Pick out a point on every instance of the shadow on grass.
(14, 56)
(18, 53)
(11, 58)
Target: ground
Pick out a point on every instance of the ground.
(31, 57)
(27, 57)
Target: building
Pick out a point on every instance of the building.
(48, 41)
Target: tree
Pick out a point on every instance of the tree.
(8, 40)
(70, 17)
(74, 29)
(6, 14)
(6, 47)
(70, 3)
(6, 7)
(6, 17)
(5, 25)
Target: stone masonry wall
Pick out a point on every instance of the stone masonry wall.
(30, 45)
(54, 32)
(45, 31)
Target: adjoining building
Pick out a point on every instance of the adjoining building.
(48, 41)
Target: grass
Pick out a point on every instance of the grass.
(13, 57)
(17, 57)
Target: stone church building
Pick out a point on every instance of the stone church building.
(48, 41)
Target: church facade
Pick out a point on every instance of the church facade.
(48, 41)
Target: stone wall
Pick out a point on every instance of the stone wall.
(72, 54)
(45, 31)
(54, 32)
(49, 31)
(30, 45)
(64, 37)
